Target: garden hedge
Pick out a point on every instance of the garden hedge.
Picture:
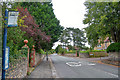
(114, 47)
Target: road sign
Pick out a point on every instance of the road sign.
(91, 54)
(6, 66)
(12, 18)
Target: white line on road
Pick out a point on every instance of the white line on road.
(112, 74)
(73, 64)
(107, 72)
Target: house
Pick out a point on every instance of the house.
(104, 45)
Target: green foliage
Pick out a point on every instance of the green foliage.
(41, 51)
(98, 51)
(57, 48)
(71, 51)
(73, 34)
(14, 41)
(103, 21)
(70, 47)
(24, 51)
(15, 37)
(87, 51)
(60, 50)
(44, 16)
(51, 51)
(94, 51)
(114, 47)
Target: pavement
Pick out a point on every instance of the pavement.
(43, 70)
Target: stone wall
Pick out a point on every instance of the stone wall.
(70, 55)
(114, 56)
(84, 55)
(38, 58)
(17, 68)
(0, 67)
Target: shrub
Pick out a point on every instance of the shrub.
(114, 47)
(41, 51)
(71, 51)
(98, 50)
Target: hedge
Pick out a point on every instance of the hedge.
(114, 47)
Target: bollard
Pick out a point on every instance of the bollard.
(32, 57)
(25, 48)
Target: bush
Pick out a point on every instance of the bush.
(41, 51)
(71, 51)
(114, 47)
(98, 50)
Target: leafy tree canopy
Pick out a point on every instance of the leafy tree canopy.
(103, 21)
(45, 18)
(73, 34)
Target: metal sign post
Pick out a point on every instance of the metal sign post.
(4, 45)
(10, 21)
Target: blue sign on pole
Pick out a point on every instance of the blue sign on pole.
(6, 65)
(10, 21)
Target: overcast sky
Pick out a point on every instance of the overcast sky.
(70, 13)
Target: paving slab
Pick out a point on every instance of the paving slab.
(43, 70)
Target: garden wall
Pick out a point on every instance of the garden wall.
(17, 68)
(114, 56)
(98, 54)
(84, 55)
(38, 57)
(70, 55)
(0, 67)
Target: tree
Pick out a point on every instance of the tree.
(14, 35)
(65, 37)
(45, 18)
(78, 38)
(73, 34)
(32, 29)
(103, 20)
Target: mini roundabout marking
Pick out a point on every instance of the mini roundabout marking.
(77, 64)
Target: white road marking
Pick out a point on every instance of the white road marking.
(79, 64)
(91, 64)
(112, 74)
(107, 72)
(73, 64)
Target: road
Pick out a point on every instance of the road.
(69, 67)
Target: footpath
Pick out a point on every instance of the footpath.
(43, 70)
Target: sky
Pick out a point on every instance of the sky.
(70, 13)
